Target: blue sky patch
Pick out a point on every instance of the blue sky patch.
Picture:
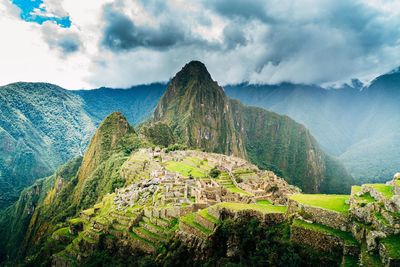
(34, 11)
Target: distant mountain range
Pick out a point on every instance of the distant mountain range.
(200, 115)
(358, 124)
(194, 112)
(43, 125)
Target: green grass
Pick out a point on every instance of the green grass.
(263, 202)
(77, 221)
(199, 163)
(225, 181)
(62, 232)
(189, 219)
(345, 236)
(159, 228)
(365, 198)
(88, 212)
(204, 213)
(355, 189)
(256, 207)
(184, 169)
(387, 191)
(149, 233)
(382, 219)
(392, 244)
(101, 220)
(236, 190)
(135, 236)
(397, 182)
(330, 202)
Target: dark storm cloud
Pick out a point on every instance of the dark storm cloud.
(308, 41)
(63, 40)
(234, 36)
(121, 33)
(69, 44)
(254, 9)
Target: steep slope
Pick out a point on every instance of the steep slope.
(278, 143)
(198, 111)
(360, 125)
(62, 196)
(200, 115)
(328, 114)
(41, 127)
(15, 220)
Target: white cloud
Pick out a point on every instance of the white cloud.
(308, 41)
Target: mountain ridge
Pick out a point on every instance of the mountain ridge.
(201, 115)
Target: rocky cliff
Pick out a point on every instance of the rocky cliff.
(201, 115)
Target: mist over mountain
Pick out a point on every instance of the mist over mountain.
(200, 115)
(359, 125)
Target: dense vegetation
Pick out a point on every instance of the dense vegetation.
(200, 115)
(27, 225)
(43, 126)
(357, 124)
(243, 242)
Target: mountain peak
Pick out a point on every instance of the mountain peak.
(105, 140)
(197, 111)
(194, 70)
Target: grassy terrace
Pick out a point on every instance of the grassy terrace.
(355, 189)
(204, 213)
(135, 236)
(345, 236)
(225, 181)
(392, 244)
(185, 169)
(387, 191)
(189, 219)
(263, 202)
(62, 232)
(330, 202)
(256, 207)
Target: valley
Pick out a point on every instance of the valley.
(203, 172)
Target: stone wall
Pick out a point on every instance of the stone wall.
(204, 222)
(316, 240)
(190, 230)
(329, 218)
(266, 219)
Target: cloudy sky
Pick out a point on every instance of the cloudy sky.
(93, 43)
